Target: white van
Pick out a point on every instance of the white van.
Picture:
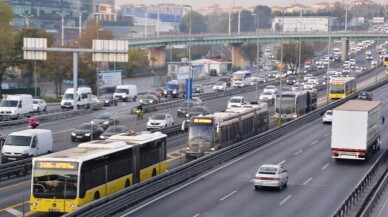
(14, 106)
(84, 97)
(27, 143)
(125, 92)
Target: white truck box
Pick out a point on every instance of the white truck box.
(27, 143)
(84, 97)
(125, 92)
(356, 129)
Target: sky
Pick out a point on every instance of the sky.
(229, 3)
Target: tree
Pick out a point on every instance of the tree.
(263, 15)
(249, 52)
(198, 24)
(291, 54)
(7, 54)
(137, 62)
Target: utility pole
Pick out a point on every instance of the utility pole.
(79, 21)
(63, 14)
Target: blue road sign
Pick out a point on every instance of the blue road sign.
(189, 88)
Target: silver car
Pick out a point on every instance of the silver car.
(271, 175)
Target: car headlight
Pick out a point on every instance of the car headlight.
(107, 101)
(13, 112)
(93, 122)
(106, 122)
(87, 134)
(151, 101)
(165, 92)
(73, 134)
(141, 101)
(25, 152)
(102, 137)
(174, 91)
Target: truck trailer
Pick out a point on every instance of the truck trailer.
(355, 132)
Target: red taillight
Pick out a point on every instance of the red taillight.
(324, 116)
(257, 178)
(276, 179)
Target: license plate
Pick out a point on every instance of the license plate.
(11, 158)
(348, 153)
(54, 210)
(78, 137)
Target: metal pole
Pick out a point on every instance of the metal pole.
(346, 15)
(157, 23)
(35, 79)
(230, 20)
(190, 69)
(281, 72)
(257, 66)
(328, 66)
(239, 21)
(75, 80)
(300, 45)
(63, 23)
(146, 19)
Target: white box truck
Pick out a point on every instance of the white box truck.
(125, 92)
(15, 106)
(84, 98)
(355, 132)
(27, 143)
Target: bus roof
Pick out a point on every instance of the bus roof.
(343, 79)
(89, 150)
(233, 112)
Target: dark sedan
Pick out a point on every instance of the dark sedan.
(149, 99)
(182, 109)
(105, 120)
(114, 130)
(197, 88)
(365, 95)
(108, 100)
(198, 110)
(227, 80)
(87, 132)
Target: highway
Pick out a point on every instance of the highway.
(317, 184)
(18, 190)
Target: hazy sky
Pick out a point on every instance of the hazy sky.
(229, 3)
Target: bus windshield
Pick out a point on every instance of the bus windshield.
(238, 77)
(288, 104)
(172, 86)
(9, 103)
(55, 183)
(337, 88)
(121, 91)
(200, 136)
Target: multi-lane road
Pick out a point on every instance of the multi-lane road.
(18, 190)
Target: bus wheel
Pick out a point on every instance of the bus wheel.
(96, 195)
(153, 172)
(127, 183)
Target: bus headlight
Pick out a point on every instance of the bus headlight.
(294, 116)
(34, 204)
(174, 91)
(187, 148)
(74, 206)
(165, 92)
(212, 149)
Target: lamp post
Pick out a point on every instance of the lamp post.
(97, 77)
(328, 65)
(27, 19)
(157, 22)
(145, 22)
(281, 72)
(257, 65)
(300, 45)
(346, 15)
(190, 71)
(79, 20)
(63, 14)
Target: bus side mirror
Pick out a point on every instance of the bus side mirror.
(183, 125)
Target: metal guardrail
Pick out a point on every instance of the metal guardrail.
(18, 168)
(138, 192)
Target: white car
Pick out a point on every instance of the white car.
(327, 117)
(373, 63)
(271, 175)
(236, 101)
(271, 88)
(39, 105)
(196, 100)
(159, 121)
(219, 86)
(309, 85)
(313, 79)
(297, 87)
(267, 96)
(307, 77)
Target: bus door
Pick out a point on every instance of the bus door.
(136, 164)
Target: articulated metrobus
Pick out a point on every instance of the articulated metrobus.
(342, 87)
(293, 104)
(241, 78)
(212, 132)
(66, 180)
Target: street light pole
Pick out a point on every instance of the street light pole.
(346, 15)
(97, 77)
(190, 71)
(300, 45)
(281, 72)
(63, 14)
(145, 21)
(257, 65)
(79, 20)
(27, 19)
(328, 65)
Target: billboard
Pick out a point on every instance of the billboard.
(109, 78)
(300, 24)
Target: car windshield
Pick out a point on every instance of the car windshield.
(267, 93)
(85, 127)
(148, 97)
(329, 112)
(158, 117)
(197, 109)
(121, 90)
(270, 87)
(113, 129)
(35, 101)
(235, 100)
(364, 94)
(105, 97)
(18, 140)
(197, 86)
(268, 170)
(103, 116)
(68, 96)
(220, 83)
(55, 183)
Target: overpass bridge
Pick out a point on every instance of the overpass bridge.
(156, 46)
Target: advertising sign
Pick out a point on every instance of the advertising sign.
(109, 78)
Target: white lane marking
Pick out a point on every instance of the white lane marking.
(14, 212)
(282, 162)
(196, 215)
(216, 170)
(307, 181)
(315, 142)
(233, 192)
(382, 209)
(324, 167)
(326, 135)
(285, 200)
(298, 152)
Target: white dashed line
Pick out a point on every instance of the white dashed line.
(298, 152)
(307, 181)
(14, 212)
(285, 200)
(196, 215)
(326, 135)
(282, 162)
(233, 192)
(324, 167)
(315, 142)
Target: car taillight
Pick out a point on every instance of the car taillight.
(276, 179)
(324, 116)
(257, 178)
